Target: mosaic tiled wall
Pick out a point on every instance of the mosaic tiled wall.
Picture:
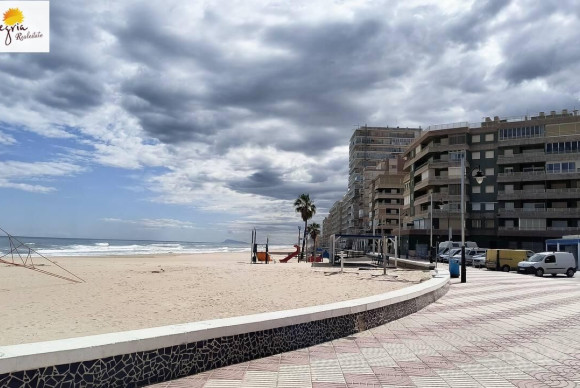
(143, 368)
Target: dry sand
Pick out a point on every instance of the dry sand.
(126, 293)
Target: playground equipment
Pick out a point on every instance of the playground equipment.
(385, 243)
(293, 254)
(313, 259)
(259, 256)
(21, 255)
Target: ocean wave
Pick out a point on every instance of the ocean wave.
(127, 250)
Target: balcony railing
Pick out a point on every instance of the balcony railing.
(528, 157)
(539, 193)
(553, 212)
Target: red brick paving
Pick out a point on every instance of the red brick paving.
(498, 329)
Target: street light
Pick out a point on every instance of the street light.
(399, 239)
(479, 179)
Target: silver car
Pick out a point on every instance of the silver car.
(470, 253)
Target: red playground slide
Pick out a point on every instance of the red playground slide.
(293, 254)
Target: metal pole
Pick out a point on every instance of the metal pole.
(463, 266)
(385, 255)
(398, 242)
(431, 231)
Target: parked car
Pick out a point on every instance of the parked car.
(469, 254)
(446, 247)
(444, 258)
(508, 258)
(479, 260)
(553, 263)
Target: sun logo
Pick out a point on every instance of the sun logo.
(13, 16)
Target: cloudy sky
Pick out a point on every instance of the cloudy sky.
(199, 120)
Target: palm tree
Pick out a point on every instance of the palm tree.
(314, 231)
(307, 209)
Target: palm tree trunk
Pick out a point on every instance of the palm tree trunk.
(314, 248)
(303, 241)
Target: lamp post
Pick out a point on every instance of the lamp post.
(479, 179)
(399, 239)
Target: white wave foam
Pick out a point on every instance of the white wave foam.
(100, 249)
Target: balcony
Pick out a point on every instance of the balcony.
(528, 157)
(438, 181)
(539, 194)
(521, 141)
(387, 196)
(521, 176)
(552, 212)
(548, 232)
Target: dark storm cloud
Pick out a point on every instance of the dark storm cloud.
(473, 27)
(313, 87)
(140, 40)
(530, 54)
(323, 184)
(71, 92)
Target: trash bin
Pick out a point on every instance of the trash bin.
(454, 267)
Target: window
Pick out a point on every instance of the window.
(489, 137)
(489, 171)
(508, 152)
(476, 224)
(532, 224)
(456, 155)
(550, 259)
(476, 206)
(476, 155)
(489, 154)
(476, 189)
(489, 224)
(509, 206)
(489, 206)
(489, 189)
(457, 139)
(454, 189)
(475, 138)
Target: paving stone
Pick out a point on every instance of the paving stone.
(477, 335)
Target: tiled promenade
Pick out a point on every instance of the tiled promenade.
(497, 330)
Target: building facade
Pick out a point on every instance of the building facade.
(368, 147)
(531, 189)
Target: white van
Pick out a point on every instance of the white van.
(549, 262)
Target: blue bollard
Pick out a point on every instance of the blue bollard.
(454, 268)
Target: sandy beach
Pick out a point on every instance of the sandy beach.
(126, 293)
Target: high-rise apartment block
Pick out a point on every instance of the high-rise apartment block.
(531, 189)
(368, 147)
(530, 193)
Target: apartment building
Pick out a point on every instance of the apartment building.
(538, 162)
(383, 196)
(368, 147)
(531, 189)
(334, 223)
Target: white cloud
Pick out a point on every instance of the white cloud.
(26, 187)
(159, 223)
(6, 139)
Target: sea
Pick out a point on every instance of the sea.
(48, 246)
